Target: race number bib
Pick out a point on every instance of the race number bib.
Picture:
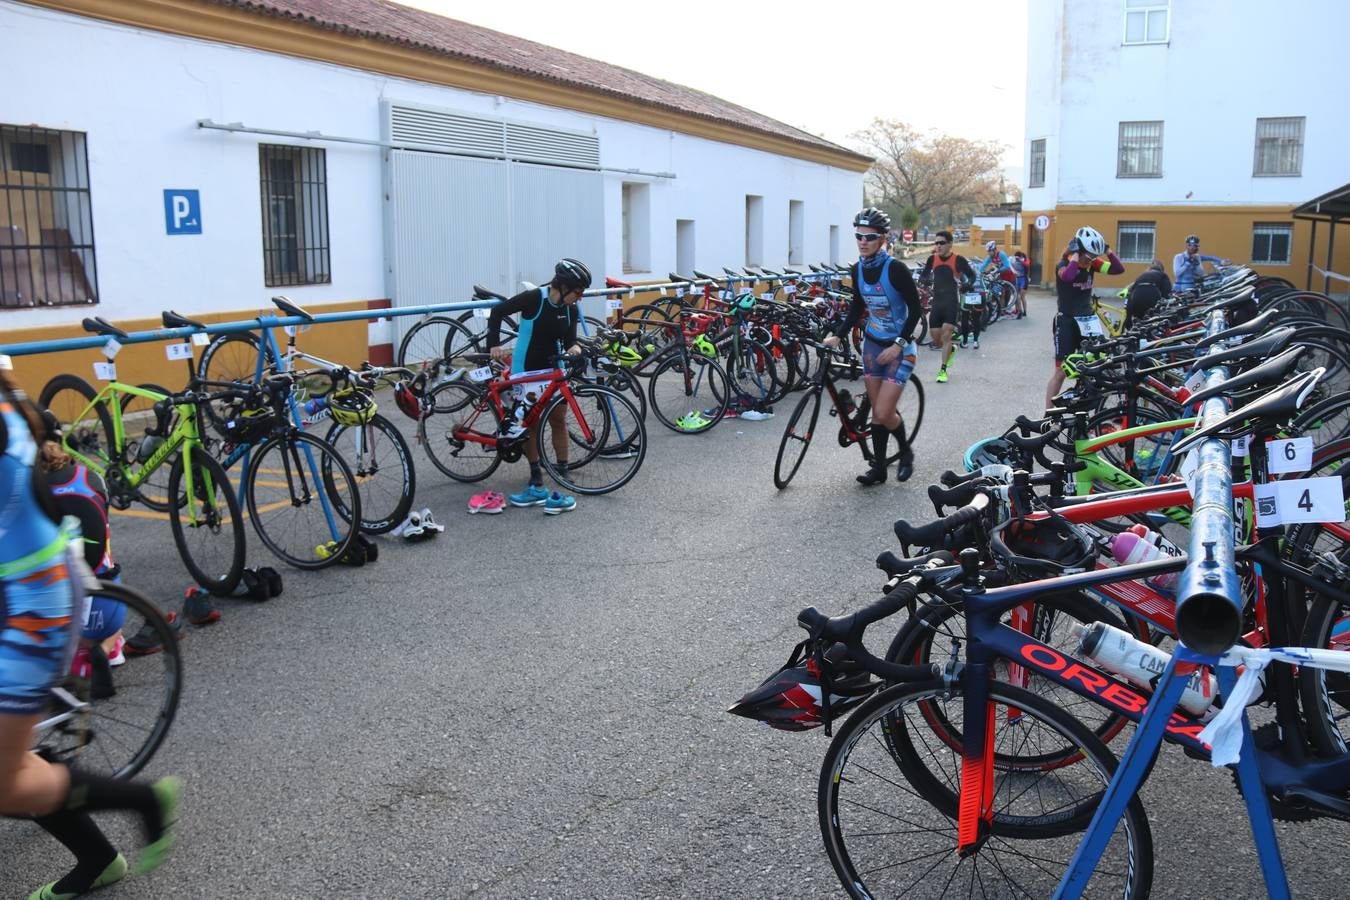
(1089, 326)
(972, 299)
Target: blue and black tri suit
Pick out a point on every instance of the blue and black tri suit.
(37, 596)
(883, 287)
(543, 325)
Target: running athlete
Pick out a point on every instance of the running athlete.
(37, 622)
(548, 324)
(1073, 281)
(882, 287)
(950, 274)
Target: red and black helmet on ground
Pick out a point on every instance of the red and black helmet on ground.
(791, 699)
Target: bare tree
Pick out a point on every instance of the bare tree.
(928, 171)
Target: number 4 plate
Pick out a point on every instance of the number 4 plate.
(1299, 500)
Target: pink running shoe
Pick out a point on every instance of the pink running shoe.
(116, 657)
(80, 666)
(489, 502)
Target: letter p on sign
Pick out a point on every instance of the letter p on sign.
(182, 211)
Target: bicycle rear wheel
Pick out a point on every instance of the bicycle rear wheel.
(889, 838)
(112, 722)
(460, 439)
(801, 426)
(385, 475)
(87, 433)
(207, 526)
(688, 392)
(303, 500)
(606, 440)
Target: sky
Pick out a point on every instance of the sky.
(957, 67)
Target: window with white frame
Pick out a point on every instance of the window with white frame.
(637, 228)
(1037, 164)
(1139, 150)
(1135, 241)
(1271, 242)
(1146, 21)
(1279, 146)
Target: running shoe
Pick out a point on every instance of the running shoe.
(533, 495)
(489, 502)
(115, 872)
(906, 466)
(117, 657)
(167, 790)
(941, 375)
(559, 503)
(693, 421)
(755, 415)
(977, 343)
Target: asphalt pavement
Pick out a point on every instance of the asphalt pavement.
(534, 706)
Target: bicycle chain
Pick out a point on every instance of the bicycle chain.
(1267, 738)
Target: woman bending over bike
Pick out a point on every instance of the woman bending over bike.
(883, 288)
(39, 598)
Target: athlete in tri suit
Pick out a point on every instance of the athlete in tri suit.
(882, 287)
(949, 274)
(548, 326)
(1073, 282)
(39, 600)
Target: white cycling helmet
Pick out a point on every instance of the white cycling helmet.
(1091, 240)
(992, 245)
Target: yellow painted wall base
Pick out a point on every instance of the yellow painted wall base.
(344, 342)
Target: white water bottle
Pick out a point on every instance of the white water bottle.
(1129, 548)
(1156, 539)
(1140, 663)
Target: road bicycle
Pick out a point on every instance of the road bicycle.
(469, 429)
(853, 415)
(113, 726)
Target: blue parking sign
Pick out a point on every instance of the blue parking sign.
(182, 212)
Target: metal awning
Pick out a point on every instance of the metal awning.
(1332, 207)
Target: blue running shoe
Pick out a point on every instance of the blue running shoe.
(559, 503)
(533, 495)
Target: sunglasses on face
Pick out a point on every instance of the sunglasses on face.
(866, 238)
(939, 243)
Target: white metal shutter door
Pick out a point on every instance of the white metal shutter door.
(448, 224)
(557, 212)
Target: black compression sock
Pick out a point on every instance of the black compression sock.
(879, 438)
(92, 793)
(901, 441)
(536, 473)
(78, 834)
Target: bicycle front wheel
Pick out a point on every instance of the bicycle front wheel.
(206, 523)
(606, 440)
(385, 475)
(303, 500)
(688, 392)
(792, 448)
(891, 831)
(111, 720)
(459, 436)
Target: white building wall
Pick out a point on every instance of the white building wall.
(140, 120)
(1207, 84)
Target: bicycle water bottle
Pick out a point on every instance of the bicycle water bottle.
(315, 406)
(1155, 539)
(1129, 548)
(1141, 664)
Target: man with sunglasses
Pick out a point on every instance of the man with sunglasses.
(1188, 266)
(949, 274)
(882, 287)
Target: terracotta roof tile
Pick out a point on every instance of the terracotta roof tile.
(385, 21)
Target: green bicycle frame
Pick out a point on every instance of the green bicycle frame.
(184, 436)
(1099, 471)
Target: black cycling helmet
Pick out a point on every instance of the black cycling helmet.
(1043, 547)
(571, 275)
(791, 698)
(873, 218)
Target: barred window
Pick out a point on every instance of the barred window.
(1135, 241)
(1146, 21)
(46, 219)
(1279, 146)
(1037, 178)
(1271, 242)
(1140, 150)
(294, 215)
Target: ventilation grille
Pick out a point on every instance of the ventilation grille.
(455, 132)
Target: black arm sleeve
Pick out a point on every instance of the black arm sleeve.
(525, 301)
(966, 269)
(903, 282)
(855, 307)
(927, 271)
(573, 318)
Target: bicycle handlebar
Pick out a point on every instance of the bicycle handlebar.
(931, 534)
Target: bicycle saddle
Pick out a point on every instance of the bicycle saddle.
(610, 282)
(481, 358)
(677, 278)
(482, 293)
(1238, 299)
(1250, 327)
(1270, 410)
(1257, 348)
(698, 274)
(289, 308)
(1272, 370)
(172, 319)
(99, 325)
